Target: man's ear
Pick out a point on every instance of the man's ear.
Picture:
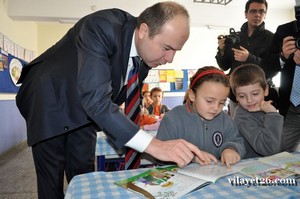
(143, 30)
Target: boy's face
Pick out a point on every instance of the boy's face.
(157, 97)
(251, 96)
(209, 99)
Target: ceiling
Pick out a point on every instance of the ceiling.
(202, 14)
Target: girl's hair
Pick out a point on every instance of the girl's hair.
(247, 74)
(208, 73)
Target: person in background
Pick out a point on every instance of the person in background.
(251, 45)
(284, 57)
(147, 101)
(258, 120)
(157, 108)
(201, 120)
(75, 88)
(148, 122)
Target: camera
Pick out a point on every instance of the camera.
(233, 39)
(297, 26)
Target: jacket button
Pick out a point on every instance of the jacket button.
(66, 128)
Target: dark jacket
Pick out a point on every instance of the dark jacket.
(257, 45)
(163, 109)
(272, 63)
(80, 80)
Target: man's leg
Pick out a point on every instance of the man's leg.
(80, 151)
(49, 160)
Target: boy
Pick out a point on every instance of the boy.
(258, 120)
(156, 108)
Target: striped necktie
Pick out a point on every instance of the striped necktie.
(132, 110)
(295, 93)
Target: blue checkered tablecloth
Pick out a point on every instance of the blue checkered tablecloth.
(104, 146)
(101, 185)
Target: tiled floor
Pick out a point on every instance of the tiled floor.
(17, 174)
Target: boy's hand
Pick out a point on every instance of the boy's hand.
(267, 107)
(229, 157)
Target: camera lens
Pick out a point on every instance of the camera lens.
(297, 42)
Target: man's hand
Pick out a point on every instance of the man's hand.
(229, 157)
(288, 47)
(240, 54)
(179, 151)
(208, 157)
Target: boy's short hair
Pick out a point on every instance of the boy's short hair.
(155, 89)
(247, 74)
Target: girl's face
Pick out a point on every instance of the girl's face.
(209, 99)
(251, 96)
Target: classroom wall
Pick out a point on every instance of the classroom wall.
(198, 51)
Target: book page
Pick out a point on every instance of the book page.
(162, 183)
(265, 171)
(283, 160)
(210, 172)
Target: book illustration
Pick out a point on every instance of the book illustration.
(162, 183)
(279, 166)
(283, 160)
(170, 182)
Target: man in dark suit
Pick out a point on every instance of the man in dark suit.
(284, 57)
(77, 85)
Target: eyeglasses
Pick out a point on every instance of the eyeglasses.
(253, 11)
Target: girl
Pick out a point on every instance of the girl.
(201, 120)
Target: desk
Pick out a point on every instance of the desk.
(100, 185)
(106, 152)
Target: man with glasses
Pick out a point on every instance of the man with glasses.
(254, 42)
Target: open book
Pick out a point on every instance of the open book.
(279, 166)
(173, 182)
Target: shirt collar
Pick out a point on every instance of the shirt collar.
(133, 52)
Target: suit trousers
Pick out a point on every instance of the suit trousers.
(69, 154)
(291, 129)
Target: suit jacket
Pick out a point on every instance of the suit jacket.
(273, 64)
(80, 80)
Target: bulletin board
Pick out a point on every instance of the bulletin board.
(169, 80)
(10, 71)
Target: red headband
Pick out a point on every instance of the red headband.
(207, 72)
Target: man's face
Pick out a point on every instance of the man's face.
(161, 48)
(256, 14)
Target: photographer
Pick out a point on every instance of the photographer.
(249, 45)
(285, 57)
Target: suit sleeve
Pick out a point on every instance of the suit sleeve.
(96, 44)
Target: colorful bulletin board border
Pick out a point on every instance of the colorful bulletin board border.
(10, 71)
